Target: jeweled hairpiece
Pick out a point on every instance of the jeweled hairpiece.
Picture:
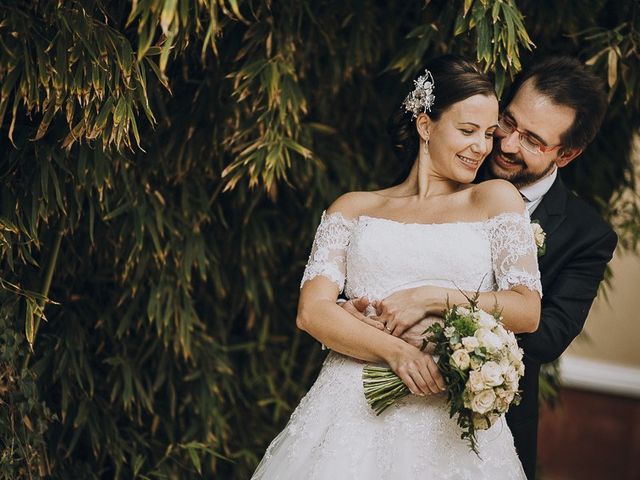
(421, 99)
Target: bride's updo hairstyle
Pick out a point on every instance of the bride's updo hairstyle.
(454, 79)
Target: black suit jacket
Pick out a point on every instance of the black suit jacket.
(579, 244)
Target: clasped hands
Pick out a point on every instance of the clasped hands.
(402, 315)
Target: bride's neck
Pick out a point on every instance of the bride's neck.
(423, 182)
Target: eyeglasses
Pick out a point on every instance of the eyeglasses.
(527, 142)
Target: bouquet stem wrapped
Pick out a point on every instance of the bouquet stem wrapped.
(481, 364)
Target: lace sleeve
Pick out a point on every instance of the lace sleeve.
(513, 251)
(328, 254)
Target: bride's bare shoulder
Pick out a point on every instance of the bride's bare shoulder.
(497, 196)
(354, 204)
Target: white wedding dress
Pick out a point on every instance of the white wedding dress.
(333, 434)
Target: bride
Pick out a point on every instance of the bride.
(434, 229)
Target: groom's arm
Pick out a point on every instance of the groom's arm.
(566, 302)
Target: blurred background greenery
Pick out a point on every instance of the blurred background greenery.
(164, 165)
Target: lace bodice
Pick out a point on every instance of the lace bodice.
(375, 257)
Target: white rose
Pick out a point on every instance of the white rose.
(460, 359)
(488, 339)
(484, 401)
(538, 234)
(475, 382)
(464, 311)
(519, 368)
(449, 332)
(505, 335)
(491, 374)
(470, 343)
(486, 320)
(515, 352)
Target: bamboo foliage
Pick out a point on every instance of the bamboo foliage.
(164, 166)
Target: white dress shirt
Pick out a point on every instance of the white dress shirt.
(533, 193)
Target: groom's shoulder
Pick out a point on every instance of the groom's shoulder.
(354, 204)
(584, 216)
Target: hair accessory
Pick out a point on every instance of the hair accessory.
(421, 99)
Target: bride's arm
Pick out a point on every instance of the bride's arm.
(520, 306)
(320, 316)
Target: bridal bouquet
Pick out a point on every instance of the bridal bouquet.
(480, 361)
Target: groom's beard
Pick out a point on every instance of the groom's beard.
(521, 177)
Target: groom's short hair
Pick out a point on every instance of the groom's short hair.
(567, 82)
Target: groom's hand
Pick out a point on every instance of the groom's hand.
(415, 335)
(357, 307)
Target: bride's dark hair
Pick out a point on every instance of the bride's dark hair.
(455, 79)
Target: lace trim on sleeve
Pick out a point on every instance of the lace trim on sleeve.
(513, 251)
(328, 254)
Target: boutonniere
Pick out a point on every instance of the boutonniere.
(539, 237)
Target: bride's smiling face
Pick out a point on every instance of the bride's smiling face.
(462, 137)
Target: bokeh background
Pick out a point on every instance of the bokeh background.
(164, 164)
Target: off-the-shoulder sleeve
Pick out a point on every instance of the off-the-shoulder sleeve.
(513, 251)
(328, 254)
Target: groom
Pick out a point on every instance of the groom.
(554, 111)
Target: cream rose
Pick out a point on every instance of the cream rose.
(511, 376)
(491, 374)
(475, 382)
(449, 332)
(502, 404)
(484, 401)
(460, 359)
(538, 234)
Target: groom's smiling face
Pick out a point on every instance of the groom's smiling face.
(541, 120)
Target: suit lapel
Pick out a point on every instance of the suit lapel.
(551, 211)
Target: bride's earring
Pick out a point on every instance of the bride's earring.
(426, 145)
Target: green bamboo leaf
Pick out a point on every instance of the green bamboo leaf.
(467, 6)
(29, 321)
(57, 189)
(236, 9)
(166, 49)
(460, 26)
(612, 68)
(167, 15)
(51, 109)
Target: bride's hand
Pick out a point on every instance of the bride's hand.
(415, 335)
(401, 310)
(418, 371)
